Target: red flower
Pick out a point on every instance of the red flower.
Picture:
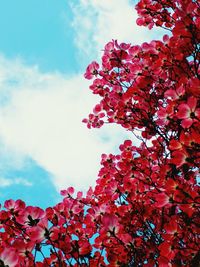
(167, 250)
(84, 247)
(161, 200)
(179, 157)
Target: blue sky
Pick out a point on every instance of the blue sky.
(39, 32)
(45, 47)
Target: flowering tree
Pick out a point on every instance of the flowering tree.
(144, 209)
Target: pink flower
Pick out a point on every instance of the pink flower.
(188, 112)
(175, 94)
(68, 192)
(30, 216)
(8, 257)
(92, 70)
(14, 205)
(165, 114)
(110, 223)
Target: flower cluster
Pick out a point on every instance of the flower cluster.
(145, 207)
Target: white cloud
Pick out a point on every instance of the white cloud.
(41, 113)
(41, 119)
(4, 182)
(97, 22)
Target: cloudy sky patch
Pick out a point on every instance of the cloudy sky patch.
(44, 97)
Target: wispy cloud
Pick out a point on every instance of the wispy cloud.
(41, 120)
(5, 182)
(96, 22)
